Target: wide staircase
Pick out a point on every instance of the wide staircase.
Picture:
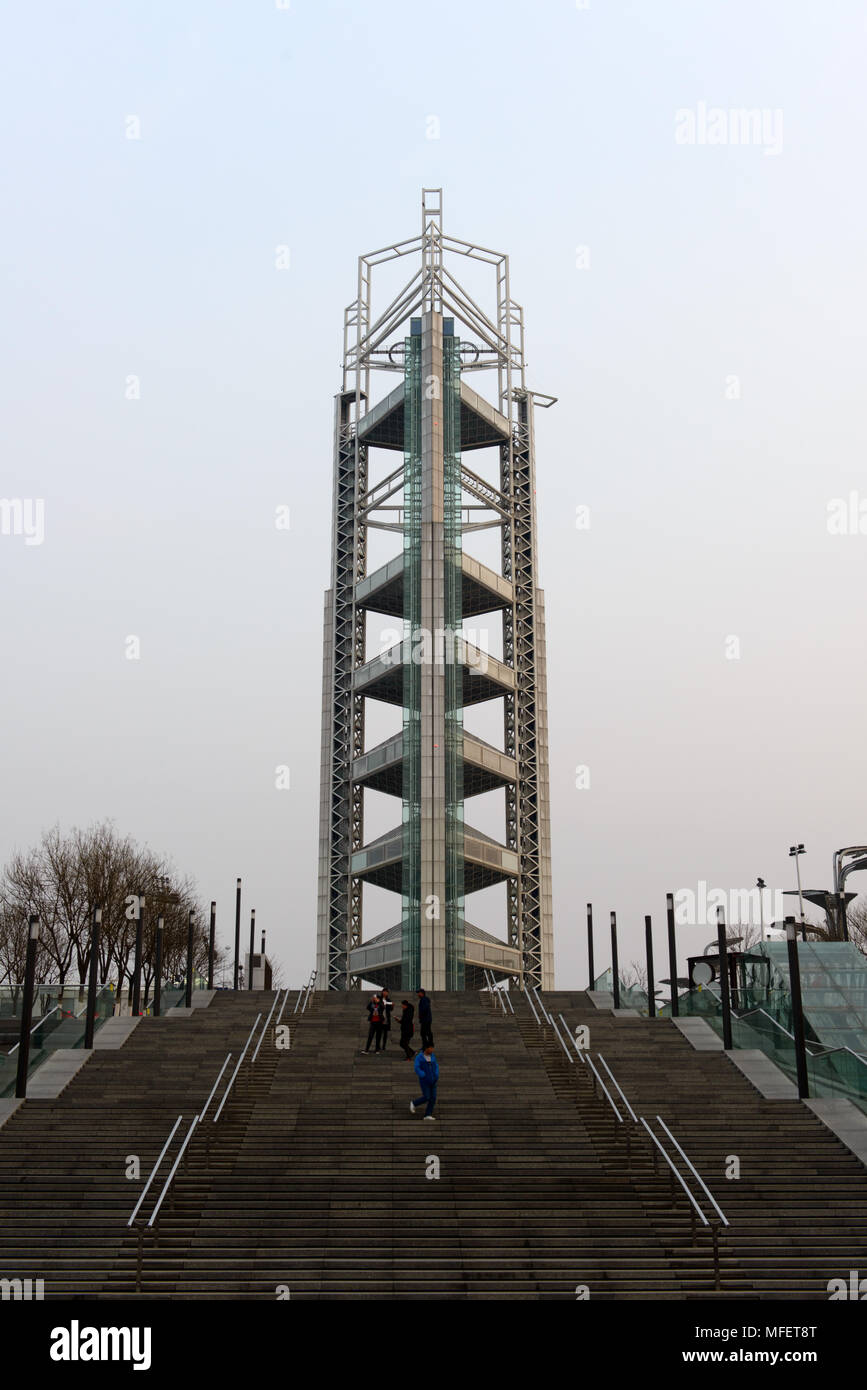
(309, 1178)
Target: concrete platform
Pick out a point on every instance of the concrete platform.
(7, 1108)
(56, 1072)
(762, 1073)
(601, 999)
(843, 1119)
(114, 1033)
(698, 1033)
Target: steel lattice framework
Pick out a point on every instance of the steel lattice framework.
(433, 500)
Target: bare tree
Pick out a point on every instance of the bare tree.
(65, 876)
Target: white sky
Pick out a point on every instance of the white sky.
(307, 127)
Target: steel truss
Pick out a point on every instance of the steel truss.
(375, 344)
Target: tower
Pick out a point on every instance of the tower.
(432, 337)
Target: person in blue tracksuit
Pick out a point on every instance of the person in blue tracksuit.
(427, 1070)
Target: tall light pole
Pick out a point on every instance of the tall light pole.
(795, 853)
(760, 884)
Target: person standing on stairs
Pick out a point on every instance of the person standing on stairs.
(387, 1006)
(374, 1014)
(425, 1019)
(406, 1029)
(427, 1070)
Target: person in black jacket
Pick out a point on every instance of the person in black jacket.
(406, 1028)
(387, 1006)
(374, 1014)
(425, 1019)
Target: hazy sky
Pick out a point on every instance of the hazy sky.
(707, 346)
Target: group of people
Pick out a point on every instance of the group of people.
(379, 1011)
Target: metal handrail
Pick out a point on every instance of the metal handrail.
(695, 1172)
(529, 1000)
(298, 1000)
(541, 1005)
(619, 1087)
(168, 1181)
(215, 1085)
(282, 1007)
(605, 1088)
(675, 1171)
(265, 1029)
(570, 1059)
(508, 999)
(38, 1024)
(493, 988)
(309, 990)
(144, 1190)
(579, 1053)
(826, 1052)
(748, 1013)
(237, 1068)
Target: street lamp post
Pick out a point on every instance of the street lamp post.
(237, 930)
(760, 884)
(724, 979)
(89, 1018)
(615, 968)
(672, 954)
(651, 983)
(211, 933)
(795, 853)
(27, 1008)
(797, 1010)
(135, 1001)
(590, 945)
(189, 994)
(158, 967)
(252, 947)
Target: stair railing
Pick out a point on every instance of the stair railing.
(492, 988)
(145, 1189)
(237, 1069)
(676, 1173)
(620, 1089)
(545, 1013)
(529, 1000)
(578, 1051)
(697, 1175)
(309, 990)
(265, 1029)
(174, 1168)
